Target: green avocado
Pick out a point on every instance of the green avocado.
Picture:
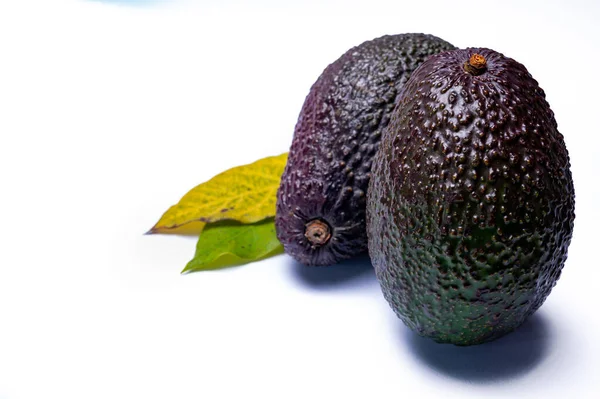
(321, 201)
(470, 207)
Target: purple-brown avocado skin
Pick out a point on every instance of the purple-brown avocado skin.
(471, 203)
(336, 136)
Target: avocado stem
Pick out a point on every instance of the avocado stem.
(317, 232)
(476, 65)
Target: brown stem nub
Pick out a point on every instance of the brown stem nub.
(317, 232)
(476, 65)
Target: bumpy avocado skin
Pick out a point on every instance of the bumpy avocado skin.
(337, 134)
(471, 203)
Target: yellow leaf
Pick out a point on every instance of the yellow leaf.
(245, 193)
(188, 229)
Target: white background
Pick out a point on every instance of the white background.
(111, 110)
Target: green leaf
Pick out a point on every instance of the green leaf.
(245, 193)
(226, 244)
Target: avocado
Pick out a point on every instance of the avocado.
(470, 207)
(321, 201)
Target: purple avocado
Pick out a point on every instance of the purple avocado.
(471, 205)
(321, 201)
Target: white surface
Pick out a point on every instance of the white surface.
(109, 113)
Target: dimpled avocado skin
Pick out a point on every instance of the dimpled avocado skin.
(337, 134)
(471, 203)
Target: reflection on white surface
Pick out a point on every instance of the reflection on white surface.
(131, 2)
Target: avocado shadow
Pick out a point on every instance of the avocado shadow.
(352, 273)
(509, 357)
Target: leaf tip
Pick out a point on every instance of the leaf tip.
(186, 270)
(156, 229)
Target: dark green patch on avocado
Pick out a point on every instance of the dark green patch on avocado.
(337, 133)
(471, 204)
